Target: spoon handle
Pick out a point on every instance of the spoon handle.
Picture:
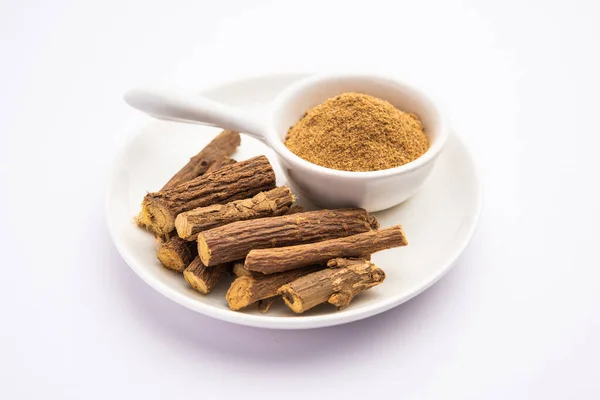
(173, 106)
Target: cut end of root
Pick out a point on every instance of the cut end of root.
(378, 275)
(291, 299)
(203, 250)
(184, 230)
(141, 220)
(159, 218)
(170, 259)
(403, 240)
(239, 294)
(239, 270)
(195, 282)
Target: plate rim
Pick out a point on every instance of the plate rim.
(135, 127)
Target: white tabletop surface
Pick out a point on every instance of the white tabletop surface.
(519, 316)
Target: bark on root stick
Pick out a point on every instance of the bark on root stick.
(203, 278)
(224, 144)
(335, 285)
(342, 298)
(234, 241)
(246, 290)
(176, 253)
(265, 204)
(220, 163)
(232, 182)
(362, 245)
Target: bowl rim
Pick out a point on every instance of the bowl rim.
(273, 139)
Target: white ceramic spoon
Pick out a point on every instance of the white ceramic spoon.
(193, 109)
(374, 191)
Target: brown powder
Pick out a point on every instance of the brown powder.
(357, 132)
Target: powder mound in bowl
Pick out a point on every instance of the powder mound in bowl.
(357, 132)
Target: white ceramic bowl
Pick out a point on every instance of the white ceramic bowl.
(375, 190)
(328, 188)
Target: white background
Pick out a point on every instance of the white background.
(518, 318)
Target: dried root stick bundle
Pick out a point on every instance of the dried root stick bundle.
(176, 253)
(274, 202)
(210, 158)
(232, 182)
(203, 278)
(337, 286)
(246, 290)
(268, 261)
(234, 241)
(215, 152)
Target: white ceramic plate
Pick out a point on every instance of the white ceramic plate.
(439, 220)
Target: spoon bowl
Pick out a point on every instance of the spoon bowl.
(329, 188)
